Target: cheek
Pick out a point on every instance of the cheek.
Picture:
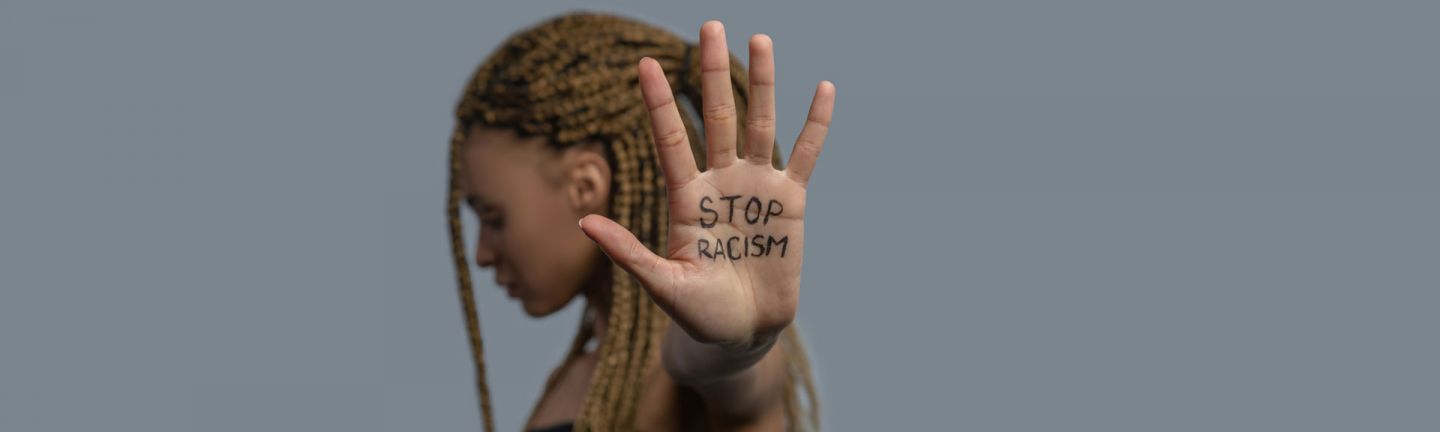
(555, 258)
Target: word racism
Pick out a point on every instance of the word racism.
(736, 247)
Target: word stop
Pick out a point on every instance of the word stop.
(754, 212)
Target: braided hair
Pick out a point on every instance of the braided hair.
(572, 79)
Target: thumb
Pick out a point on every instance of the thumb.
(624, 249)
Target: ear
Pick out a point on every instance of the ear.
(587, 185)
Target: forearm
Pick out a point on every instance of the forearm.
(737, 382)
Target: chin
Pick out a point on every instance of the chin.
(539, 310)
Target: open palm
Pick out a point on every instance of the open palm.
(737, 230)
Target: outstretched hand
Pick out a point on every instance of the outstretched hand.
(731, 273)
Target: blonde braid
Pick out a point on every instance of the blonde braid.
(572, 79)
(462, 272)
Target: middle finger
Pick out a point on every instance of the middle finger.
(717, 95)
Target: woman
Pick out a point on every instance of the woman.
(695, 281)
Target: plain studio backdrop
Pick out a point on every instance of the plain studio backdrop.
(1029, 216)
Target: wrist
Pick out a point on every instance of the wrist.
(694, 363)
(757, 344)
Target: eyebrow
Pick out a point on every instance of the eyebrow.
(476, 202)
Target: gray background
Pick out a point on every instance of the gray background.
(1030, 216)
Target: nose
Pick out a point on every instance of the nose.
(485, 255)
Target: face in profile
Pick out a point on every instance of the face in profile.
(529, 198)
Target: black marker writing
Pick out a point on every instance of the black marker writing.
(704, 246)
(731, 205)
(757, 211)
(735, 248)
(711, 224)
(775, 209)
(753, 206)
(730, 248)
(783, 243)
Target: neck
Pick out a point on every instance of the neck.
(597, 301)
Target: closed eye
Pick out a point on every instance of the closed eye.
(489, 215)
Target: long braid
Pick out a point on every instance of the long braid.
(462, 272)
(572, 80)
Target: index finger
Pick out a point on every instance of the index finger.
(671, 141)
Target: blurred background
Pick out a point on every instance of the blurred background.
(1030, 215)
